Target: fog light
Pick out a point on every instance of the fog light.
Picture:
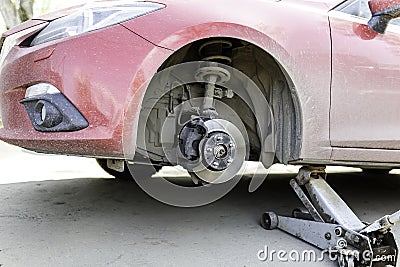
(47, 115)
(41, 89)
(50, 111)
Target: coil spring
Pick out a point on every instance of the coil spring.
(217, 51)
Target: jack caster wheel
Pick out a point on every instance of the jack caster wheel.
(269, 221)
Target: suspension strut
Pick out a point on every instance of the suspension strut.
(216, 51)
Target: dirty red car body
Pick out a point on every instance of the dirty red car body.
(343, 77)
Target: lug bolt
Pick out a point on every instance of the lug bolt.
(338, 231)
(328, 236)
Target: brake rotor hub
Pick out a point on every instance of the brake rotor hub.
(212, 149)
(218, 151)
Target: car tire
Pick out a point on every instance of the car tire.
(126, 175)
(121, 176)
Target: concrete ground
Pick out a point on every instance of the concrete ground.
(65, 211)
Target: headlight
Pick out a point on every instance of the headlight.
(94, 16)
(12, 40)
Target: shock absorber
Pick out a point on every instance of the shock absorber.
(217, 52)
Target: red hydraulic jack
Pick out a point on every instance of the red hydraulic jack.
(329, 224)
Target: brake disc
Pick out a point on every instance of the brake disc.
(222, 152)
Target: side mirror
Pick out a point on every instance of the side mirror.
(383, 11)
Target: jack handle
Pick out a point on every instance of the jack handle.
(383, 224)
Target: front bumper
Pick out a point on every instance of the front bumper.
(97, 72)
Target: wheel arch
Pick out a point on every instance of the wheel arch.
(286, 104)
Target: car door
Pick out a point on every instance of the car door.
(365, 91)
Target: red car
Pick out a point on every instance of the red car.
(207, 84)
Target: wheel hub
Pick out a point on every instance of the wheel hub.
(219, 151)
(214, 150)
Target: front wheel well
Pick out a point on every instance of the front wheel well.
(268, 75)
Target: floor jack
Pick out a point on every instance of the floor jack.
(329, 224)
